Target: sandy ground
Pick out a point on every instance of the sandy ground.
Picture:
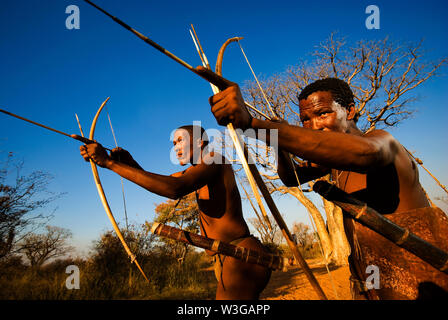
(294, 285)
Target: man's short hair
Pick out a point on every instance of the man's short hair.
(194, 128)
(339, 89)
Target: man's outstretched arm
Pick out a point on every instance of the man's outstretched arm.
(329, 149)
(335, 149)
(173, 187)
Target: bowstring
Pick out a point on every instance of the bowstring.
(121, 178)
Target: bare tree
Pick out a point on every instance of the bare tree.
(39, 248)
(268, 236)
(20, 199)
(382, 74)
(303, 236)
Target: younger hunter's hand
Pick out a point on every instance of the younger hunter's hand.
(96, 153)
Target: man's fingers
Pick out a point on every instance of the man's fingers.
(220, 109)
(220, 114)
(222, 117)
(89, 149)
(216, 98)
(229, 93)
(218, 106)
(84, 153)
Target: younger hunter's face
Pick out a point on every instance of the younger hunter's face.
(319, 112)
(183, 146)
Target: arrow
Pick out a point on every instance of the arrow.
(73, 136)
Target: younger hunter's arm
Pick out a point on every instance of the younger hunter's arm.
(173, 187)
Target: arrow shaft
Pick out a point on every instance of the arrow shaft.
(35, 123)
(73, 136)
(143, 37)
(220, 83)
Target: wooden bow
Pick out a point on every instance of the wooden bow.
(102, 195)
(268, 198)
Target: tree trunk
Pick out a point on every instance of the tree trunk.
(181, 259)
(6, 246)
(318, 221)
(341, 248)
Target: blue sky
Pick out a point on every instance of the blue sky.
(47, 73)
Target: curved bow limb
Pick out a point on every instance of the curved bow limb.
(270, 202)
(218, 70)
(102, 195)
(238, 143)
(218, 67)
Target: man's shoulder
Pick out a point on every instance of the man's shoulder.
(382, 135)
(377, 133)
(180, 173)
(402, 157)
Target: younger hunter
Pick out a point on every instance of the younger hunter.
(221, 216)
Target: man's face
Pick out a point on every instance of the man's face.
(319, 112)
(182, 146)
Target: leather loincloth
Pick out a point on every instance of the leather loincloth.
(402, 274)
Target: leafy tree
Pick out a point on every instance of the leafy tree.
(110, 257)
(183, 214)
